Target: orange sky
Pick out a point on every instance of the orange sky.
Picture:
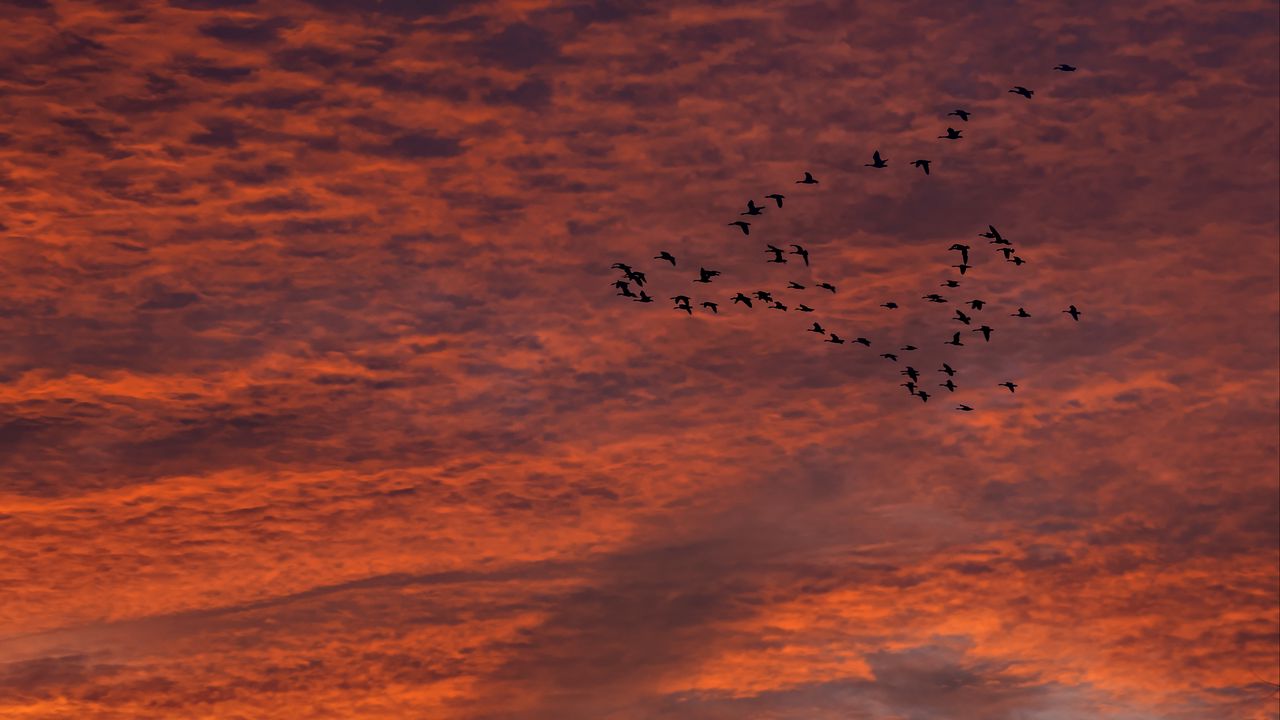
(317, 402)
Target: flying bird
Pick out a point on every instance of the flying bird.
(922, 164)
(947, 369)
(991, 232)
(962, 114)
(1007, 251)
(764, 295)
(664, 255)
(803, 308)
(644, 298)
(889, 356)
(961, 317)
(636, 277)
(1020, 313)
(793, 285)
(705, 275)
(681, 299)
(876, 161)
(952, 134)
(950, 386)
(684, 307)
(624, 288)
(863, 341)
(890, 305)
(777, 198)
(1016, 260)
(804, 254)
(808, 179)
(712, 306)
(908, 348)
(955, 340)
(836, 339)
(949, 283)
(1064, 68)
(964, 251)
(740, 298)
(933, 297)
(1008, 384)
(977, 304)
(964, 408)
(911, 373)
(1073, 312)
(621, 266)
(1019, 90)
(924, 396)
(986, 332)
(744, 225)
(910, 386)
(777, 305)
(826, 286)
(777, 254)
(818, 329)
(753, 209)
(962, 266)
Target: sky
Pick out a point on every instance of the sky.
(317, 401)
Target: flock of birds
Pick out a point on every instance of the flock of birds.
(684, 303)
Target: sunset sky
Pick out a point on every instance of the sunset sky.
(316, 400)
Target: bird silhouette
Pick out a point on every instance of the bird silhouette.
(1020, 313)
(992, 233)
(1019, 90)
(808, 179)
(740, 298)
(1006, 251)
(777, 254)
(889, 305)
(986, 332)
(910, 386)
(705, 275)
(933, 297)
(876, 161)
(804, 254)
(922, 164)
(1064, 68)
(685, 308)
(962, 114)
(664, 255)
(743, 225)
(962, 267)
(924, 396)
(712, 306)
(764, 295)
(961, 317)
(793, 285)
(636, 277)
(955, 340)
(644, 298)
(908, 348)
(753, 209)
(803, 308)
(964, 408)
(863, 341)
(952, 134)
(1016, 260)
(977, 304)
(624, 288)
(776, 198)
(836, 339)
(964, 251)
(817, 329)
(1009, 385)
(1073, 312)
(950, 283)
(777, 305)
(950, 386)
(911, 373)
(889, 356)
(826, 286)
(681, 299)
(621, 266)
(948, 370)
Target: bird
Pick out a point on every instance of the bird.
(664, 255)
(636, 277)
(910, 386)
(949, 283)
(685, 308)
(961, 317)
(1008, 384)
(924, 396)
(776, 198)
(952, 134)
(777, 254)
(621, 266)
(764, 295)
(922, 164)
(1064, 68)
(1008, 252)
(908, 348)
(1019, 90)
(1073, 312)
(817, 329)
(740, 298)
(744, 225)
(977, 304)
(962, 114)
(955, 340)
(804, 254)
(991, 232)
(753, 209)
(777, 305)
(986, 332)
(951, 386)
(803, 308)
(889, 305)
(933, 297)
(889, 356)
(644, 298)
(712, 306)
(624, 288)
(964, 408)
(947, 369)
(793, 285)
(826, 286)
(876, 161)
(863, 341)
(835, 339)
(808, 179)
(964, 251)
(1021, 313)
(705, 275)
(962, 266)
(1016, 260)
(911, 373)
(681, 299)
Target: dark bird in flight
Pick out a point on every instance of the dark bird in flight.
(922, 164)
(1008, 252)
(808, 179)
(777, 305)
(964, 408)
(1015, 260)
(764, 295)
(740, 298)
(911, 373)
(681, 299)
(753, 209)
(776, 198)
(962, 114)
(804, 254)
(992, 233)
(964, 251)
(664, 255)
(924, 396)
(836, 339)
(621, 266)
(1064, 68)
(705, 275)
(889, 356)
(933, 297)
(685, 308)
(950, 283)
(910, 386)
(744, 225)
(907, 348)
(712, 307)
(644, 298)
(1073, 312)
(863, 341)
(947, 369)
(803, 308)
(955, 340)
(636, 277)
(890, 305)
(977, 304)
(826, 286)
(986, 332)
(793, 285)
(962, 267)
(818, 329)
(948, 385)
(1019, 90)
(624, 288)
(1009, 385)
(1020, 313)
(876, 161)
(952, 134)
(777, 254)
(961, 317)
